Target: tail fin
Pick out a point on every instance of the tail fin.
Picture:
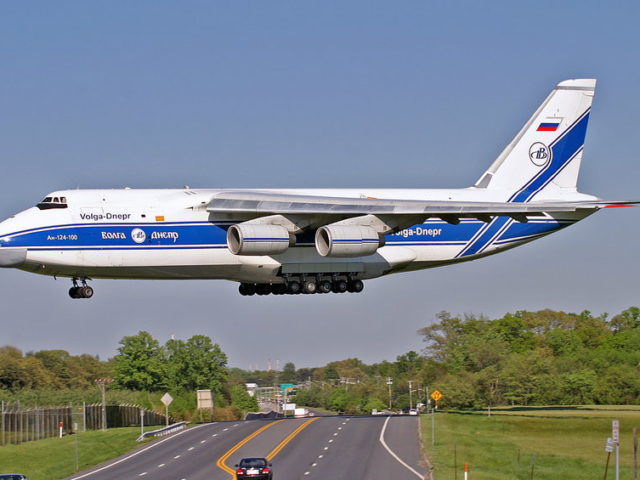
(546, 153)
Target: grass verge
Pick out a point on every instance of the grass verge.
(541, 444)
(55, 458)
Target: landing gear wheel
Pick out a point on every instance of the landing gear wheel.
(339, 286)
(324, 286)
(74, 292)
(279, 289)
(309, 287)
(263, 289)
(356, 286)
(293, 288)
(242, 289)
(86, 292)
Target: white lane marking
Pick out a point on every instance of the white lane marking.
(339, 428)
(142, 474)
(190, 448)
(306, 473)
(326, 448)
(314, 464)
(161, 465)
(214, 435)
(236, 424)
(335, 434)
(138, 452)
(225, 429)
(320, 456)
(177, 456)
(331, 441)
(384, 444)
(202, 441)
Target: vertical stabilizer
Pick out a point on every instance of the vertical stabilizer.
(546, 152)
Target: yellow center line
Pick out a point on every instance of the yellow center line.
(289, 437)
(221, 463)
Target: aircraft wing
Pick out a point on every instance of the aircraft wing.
(268, 203)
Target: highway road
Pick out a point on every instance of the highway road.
(354, 448)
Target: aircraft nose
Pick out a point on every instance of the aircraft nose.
(10, 256)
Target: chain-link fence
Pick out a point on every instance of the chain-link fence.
(18, 425)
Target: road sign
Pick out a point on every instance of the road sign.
(609, 446)
(166, 399)
(436, 395)
(615, 431)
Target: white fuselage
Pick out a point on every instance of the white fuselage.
(169, 234)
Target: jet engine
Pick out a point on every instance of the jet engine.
(249, 239)
(347, 241)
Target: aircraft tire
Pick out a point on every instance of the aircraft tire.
(86, 292)
(73, 292)
(309, 287)
(339, 286)
(356, 286)
(293, 288)
(263, 289)
(324, 286)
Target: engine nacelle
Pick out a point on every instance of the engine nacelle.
(347, 241)
(249, 239)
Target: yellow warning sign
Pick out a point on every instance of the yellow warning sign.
(436, 395)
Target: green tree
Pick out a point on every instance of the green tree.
(289, 373)
(196, 364)
(242, 400)
(139, 364)
(626, 320)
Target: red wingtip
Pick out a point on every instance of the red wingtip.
(620, 205)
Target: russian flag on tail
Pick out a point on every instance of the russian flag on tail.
(548, 126)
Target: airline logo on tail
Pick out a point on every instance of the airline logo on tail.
(539, 154)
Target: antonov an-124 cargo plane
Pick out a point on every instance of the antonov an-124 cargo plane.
(284, 241)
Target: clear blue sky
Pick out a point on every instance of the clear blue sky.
(310, 94)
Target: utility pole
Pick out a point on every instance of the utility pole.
(389, 383)
(102, 385)
(410, 398)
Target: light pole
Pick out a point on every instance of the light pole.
(389, 383)
(102, 385)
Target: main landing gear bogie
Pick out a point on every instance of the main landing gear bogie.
(80, 291)
(308, 286)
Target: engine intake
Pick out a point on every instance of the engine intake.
(248, 239)
(347, 241)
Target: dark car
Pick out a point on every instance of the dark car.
(254, 469)
(13, 476)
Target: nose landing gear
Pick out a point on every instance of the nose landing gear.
(80, 291)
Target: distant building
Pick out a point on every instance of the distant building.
(251, 388)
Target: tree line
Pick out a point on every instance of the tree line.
(545, 357)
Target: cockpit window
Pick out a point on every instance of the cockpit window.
(52, 202)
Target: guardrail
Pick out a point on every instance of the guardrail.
(163, 431)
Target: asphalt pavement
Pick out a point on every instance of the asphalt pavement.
(365, 448)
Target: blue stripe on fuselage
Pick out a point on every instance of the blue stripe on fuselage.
(208, 235)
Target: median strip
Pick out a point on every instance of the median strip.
(221, 463)
(289, 437)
